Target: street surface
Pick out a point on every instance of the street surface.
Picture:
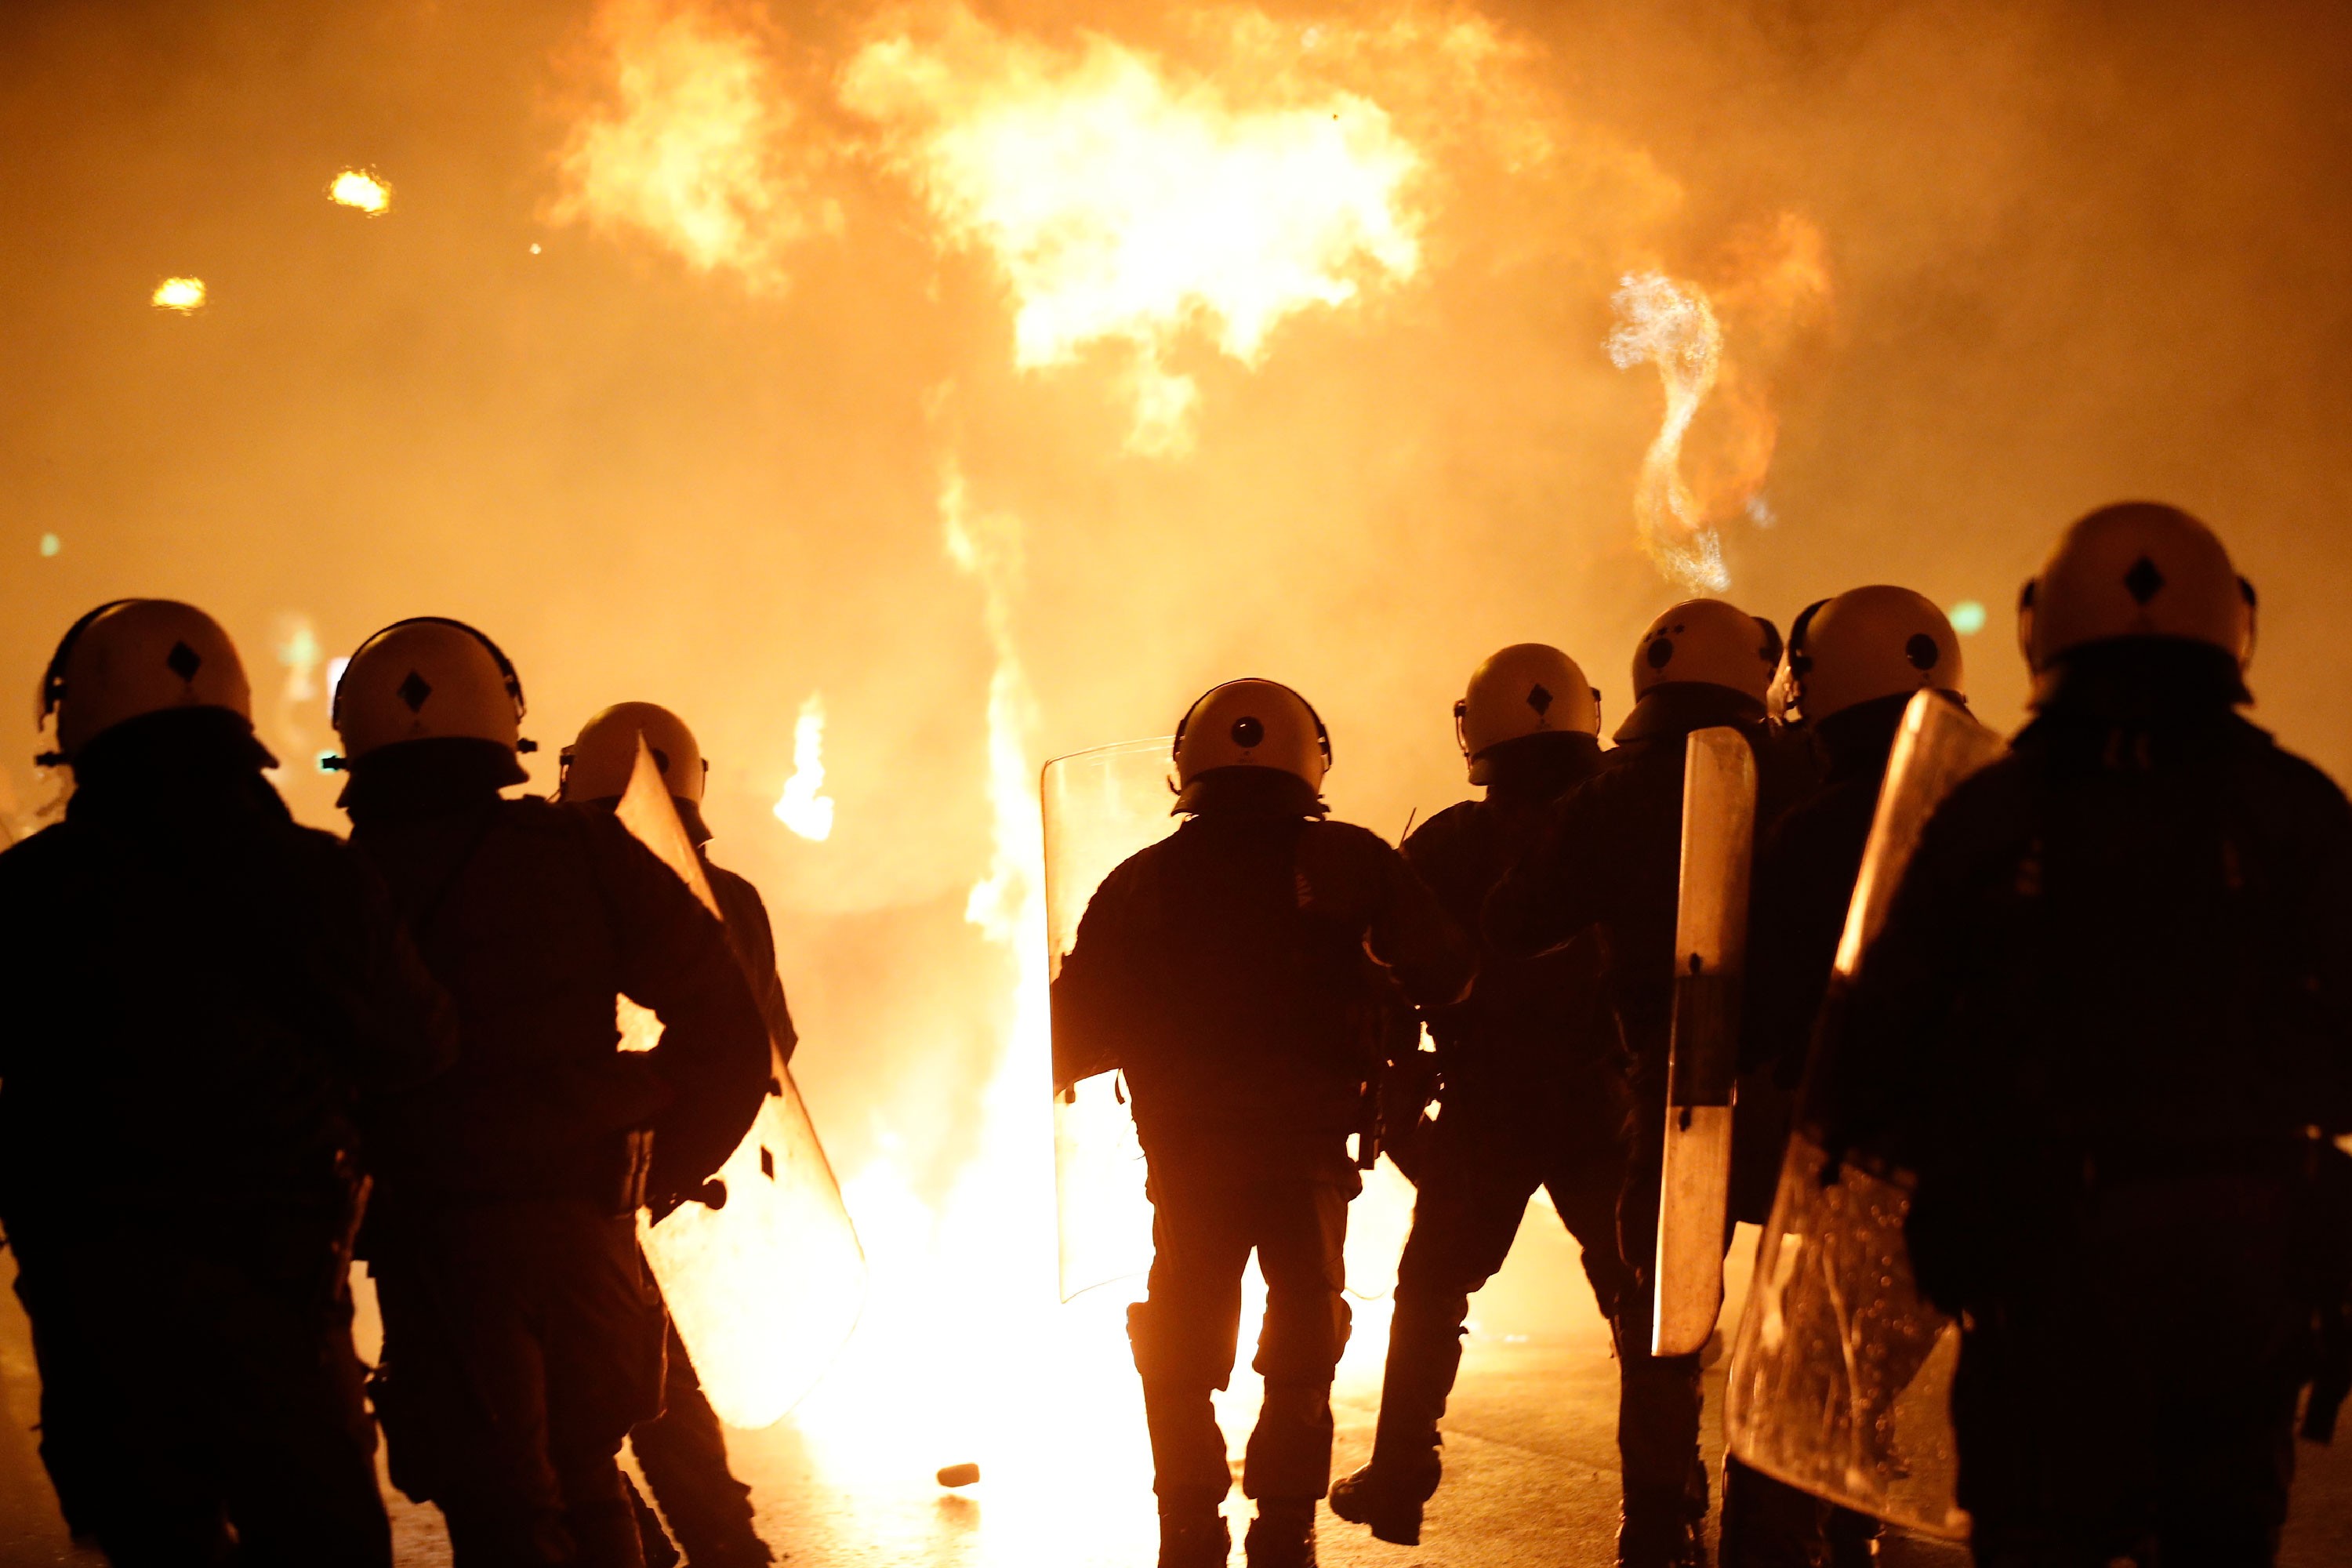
(1531, 1462)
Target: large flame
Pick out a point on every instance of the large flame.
(185, 295)
(1127, 204)
(689, 140)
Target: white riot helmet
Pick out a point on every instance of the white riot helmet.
(1709, 643)
(598, 763)
(130, 657)
(1251, 724)
(1527, 689)
(1865, 643)
(2137, 569)
(428, 679)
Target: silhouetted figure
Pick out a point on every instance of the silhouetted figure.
(1608, 867)
(1854, 664)
(198, 990)
(1225, 971)
(2107, 1024)
(1534, 1078)
(683, 1452)
(523, 1336)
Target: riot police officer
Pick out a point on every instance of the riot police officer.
(683, 1452)
(1609, 864)
(522, 1335)
(199, 990)
(1852, 664)
(2106, 1025)
(1534, 1076)
(1224, 969)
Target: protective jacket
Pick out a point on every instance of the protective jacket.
(1223, 969)
(199, 990)
(1609, 861)
(536, 916)
(1531, 1025)
(2123, 951)
(1806, 865)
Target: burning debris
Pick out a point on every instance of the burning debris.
(362, 190)
(185, 295)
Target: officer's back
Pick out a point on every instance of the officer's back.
(200, 992)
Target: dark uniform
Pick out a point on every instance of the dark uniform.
(2110, 999)
(1223, 969)
(198, 990)
(1535, 1096)
(523, 1336)
(1610, 865)
(1806, 865)
(683, 1452)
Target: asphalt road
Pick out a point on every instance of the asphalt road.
(1530, 1458)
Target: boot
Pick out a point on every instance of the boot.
(1193, 1538)
(1387, 1496)
(1659, 1543)
(1282, 1535)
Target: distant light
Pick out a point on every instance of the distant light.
(51, 544)
(182, 294)
(362, 190)
(534, 251)
(1967, 617)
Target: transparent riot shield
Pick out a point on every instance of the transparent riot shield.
(1100, 806)
(1710, 942)
(766, 1280)
(1841, 1375)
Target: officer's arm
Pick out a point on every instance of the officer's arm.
(1794, 919)
(714, 1052)
(1410, 932)
(754, 941)
(1094, 1001)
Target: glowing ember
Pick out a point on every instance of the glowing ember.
(185, 295)
(1673, 326)
(688, 144)
(801, 808)
(362, 190)
(1127, 205)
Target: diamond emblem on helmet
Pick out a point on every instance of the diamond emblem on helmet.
(2143, 582)
(415, 690)
(184, 661)
(1539, 698)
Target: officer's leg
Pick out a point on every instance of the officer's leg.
(1183, 1334)
(603, 1329)
(114, 1400)
(461, 1390)
(1657, 1401)
(683, 1453)
(1584, 1167)
(1473, 1191)
(299, 1450)
(2040, 1475)
(1302, 1231)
